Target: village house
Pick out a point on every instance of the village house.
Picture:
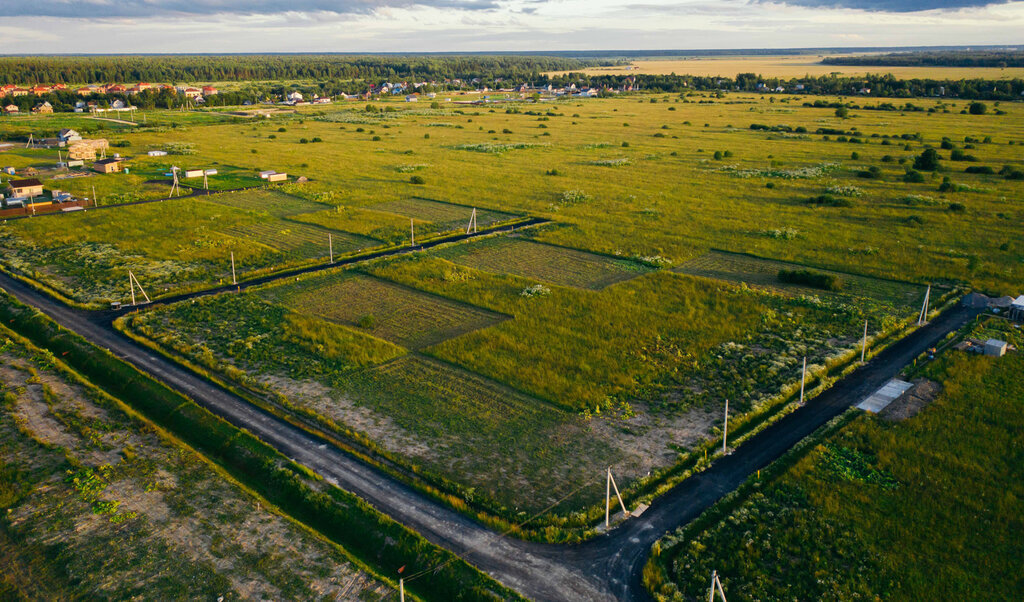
(209, 90)
(67, 135)
(11, 109)
(30, 187)
(108, 165)
(43, 107)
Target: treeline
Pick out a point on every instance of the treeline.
(949, 58)
(72, 70)
(886, 86)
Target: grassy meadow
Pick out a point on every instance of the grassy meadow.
(634, 178)
(925, 509)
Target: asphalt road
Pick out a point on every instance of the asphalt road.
(606, 568)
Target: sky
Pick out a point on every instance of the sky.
(211, 26)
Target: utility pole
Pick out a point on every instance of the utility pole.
(725, 426)
(864, 344)
(401, 589)
(95, 201)
(716, 587)
(412, 232)
(608, 485)
(330, 246)
(803, 379)
(233, 280)
(471, 227)
(923, 318)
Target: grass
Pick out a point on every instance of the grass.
(405, 316)
(444, 216)
(271, 202)
(880, 509)
(762, 272)
(552, 264)
(96, 504)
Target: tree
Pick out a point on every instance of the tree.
(927, 161)
(842, 112)
(977, 108)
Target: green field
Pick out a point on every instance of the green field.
(757, 271)
(925, 509)
(402, 315)
(547, 263)
(444, 216)
(630, 317)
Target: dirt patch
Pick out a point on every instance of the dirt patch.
(912, 401)
(653, 441)
(332, 404)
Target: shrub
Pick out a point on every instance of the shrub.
(980, 169)
(417, 180)
(977, 108)
(303, 141)
(718, 155)
(927, 161)
(871, 173)
(959, 155)
(957, 207)
(855, 155)
(811, 278)
(946, 144)
(376, 138)
(552, 172)
(282, 130)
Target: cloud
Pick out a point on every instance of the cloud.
(100, 9)
(881, 6)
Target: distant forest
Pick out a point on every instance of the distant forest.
(950, 58)
(209, 68)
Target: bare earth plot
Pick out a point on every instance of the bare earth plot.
(299, 240)
(277, 204)
(756, 271)
(402, 315)
(446, 216)
(548, 263)
(509, 446)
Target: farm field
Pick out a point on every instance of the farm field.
(402, 315)
(757, 271)
(924, 508)
(97, 504)
(548, 263)
(791, 66)
(618, 347)
(633, 375)
(444, 216)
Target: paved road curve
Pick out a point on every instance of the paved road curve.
(606, 568)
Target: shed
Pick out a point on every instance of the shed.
(157, 153)
(995, 347)
(76, 163)
(1017, 309)
(108, 165)
(193, 173)
(15, 202)
(266, 174)
(29, 187)
(277, 177)
(210, 172)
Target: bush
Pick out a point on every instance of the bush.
(980, 169)
(417, 180)
(376, 139)
(977, 108)
(811, 278)
(282, 130)
(957, 207)
(718, 155)
(927, 161)
(959, 155)
(871, 173)
(303, 141)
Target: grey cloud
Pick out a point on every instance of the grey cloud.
(905, 6)
(99, 9)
